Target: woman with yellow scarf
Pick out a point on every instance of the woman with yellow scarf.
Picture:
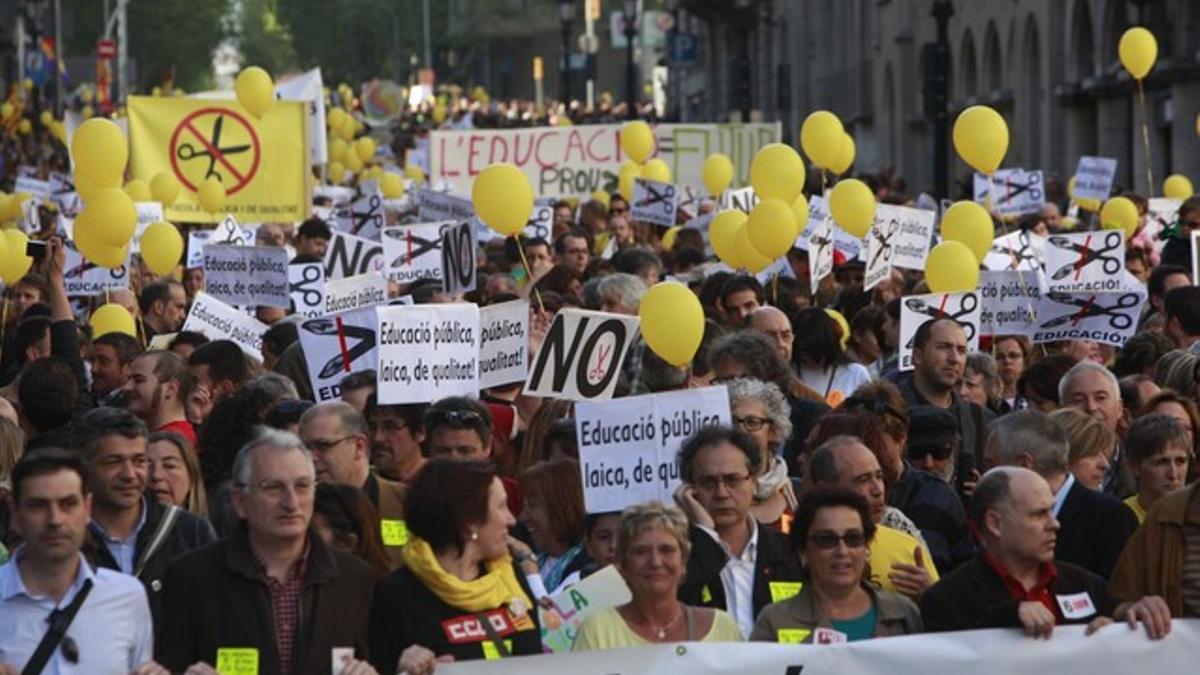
(459, 595)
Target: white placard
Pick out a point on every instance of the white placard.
(916, 310)
(427, 352)
(307, 284)
(1019, 250)
(560, 623)
(356, 292)
(217, 320)
(1094, 177)
(1010, 301)
(581, 355)
(364, 218)
(881, 248)
(1013, 192)
(412, 252)
(83, 278)
(742, 199)
(31, 218)
(40, 190)
(1162, 213)
(433, 206)
(1085, 262)
(227, 232)
(1099, 317)
(914, 232)
(820, 253)
(628, 446)
(309, 88)
(336, 194)
(247, 275)
(654, 202)
(503, 343)
(541, 220)
(349, 255)
(147, 213)
(335, 346)
(458, 257)
(818, 212)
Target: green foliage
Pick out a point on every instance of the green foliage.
(263, 40)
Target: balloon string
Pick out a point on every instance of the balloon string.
(529, 274)
(1146, 140)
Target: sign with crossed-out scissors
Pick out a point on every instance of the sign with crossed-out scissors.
(1085, 262)
(364, 218)
(916, 310)
(654, 202)
(1011, 192)
(1107, 318)
(84, 278)
(227, 232)
(914, 232)
(413, 252)
(335, 346)
(1019, 251)
(307, 283)
(215, 143)
(880, 249)
(820, 252)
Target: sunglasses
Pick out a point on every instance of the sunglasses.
(827, 541)
(938, 452)
(453, 417)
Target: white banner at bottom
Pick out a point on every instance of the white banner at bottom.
(1115, 649)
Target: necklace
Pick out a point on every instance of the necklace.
(661, 631)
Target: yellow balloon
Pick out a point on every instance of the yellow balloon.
(1177, 187)
(138, 190)
(112, 318)
(751, 258)
(503, 198)
(391, 185)
(365, 148)
(336, 172)
(672, 322)
(255, 90)
(717, 173)
(800, 211)
(415, 173)
(87, 111)
(722, 235)
(1138, 50)
(821, 137)
(951, 267)
(24, 127)
(981, 138)
(777, 172)
(100, 152)
(352, 162)
(655, 169)
(668, 238)
(164, 188)
(162, 247)
(95, 250)
(211, 195)
(1119, 213)
(625, 175)
(112, 216)
(852, 205)
(602, 196)
(346, 131)
(336, 149)
(971, 224)
(335, 118)
(846, 159)
(46, 117)
(637, 141)
(771, 227)
(1089, 205)
(15, 263)
(6, 110)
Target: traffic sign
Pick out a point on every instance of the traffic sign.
(685, 49)
(106, 49)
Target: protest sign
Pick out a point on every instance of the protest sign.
(820, 253)
(916, 310)
(83, 278)
(428, 352)
(1009, 301)
(503, 343)
(217, 320)
(437, 206)
(458, 257)
(247, 275)
(40, 190)
(741, 199)
(913, 232)
(31, 218)
(578, 160)
(627, 446)
(1162, 214)
(1019, 250)
(1094, 178)
(349, 255)
(880, 250)
(412, 252)
(356, 292)
(541, 220)
(335, 346)
(228, 232)
(818, 211)
(1085, 262)
(1011, 192)
(364, 218)
(337, 194)
(560, 624)
(308, 88)
(1106, 318)
(147, 213)
(654, 202)
(307, 285)
(263, 163)
(581, 355)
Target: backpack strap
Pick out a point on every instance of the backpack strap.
(160, 535)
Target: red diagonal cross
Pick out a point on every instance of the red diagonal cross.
(214, 151)
(1083, 255)
(1083, 313)
(342, 345)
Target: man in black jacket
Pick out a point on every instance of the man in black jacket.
(130, 531)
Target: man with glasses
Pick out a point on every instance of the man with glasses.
(397, 434)
(774, 324)
(734, 565)
(336, 435)
(571, 249)
(273, 593)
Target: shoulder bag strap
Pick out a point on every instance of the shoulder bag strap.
(59, 620)
(501, 649)
(160, 535)
(691, 628)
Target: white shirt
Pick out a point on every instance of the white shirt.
(112, 630)
(738, 579)
(1061, 495)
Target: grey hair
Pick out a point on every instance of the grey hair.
(624, 289)
(277, 387)
(267, 438)
(1086, 366)
(982, 363)
(1033, 433)
(769, 394)
(349, 419)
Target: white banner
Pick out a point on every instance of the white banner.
(412, 252)
(227, 232)
(1016, 251)
(428, 352)
(820, 246)
(349, 255)
(654, 202)
(364, 218)
(356, 292)
(1013, 192)
(433, 205)
(1109, 318)
(307, 285)
(881, 249)
(1085, 262)
(916, 310)
(247, 275)
(335, 346)
(309, 88)
(572, 606)
(83, 278)
(913, 233)
(581, 355)
(1009, 302)
(218, 321)
(742, 199)
(40, 190)
(503, 343)
(1094, 177)
(458, 257)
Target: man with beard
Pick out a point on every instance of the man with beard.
(159, 383)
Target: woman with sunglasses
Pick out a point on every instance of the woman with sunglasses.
(832, 534)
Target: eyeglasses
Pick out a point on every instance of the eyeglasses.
(320, 446)
(752, 423)
(827, 541)
(714, 483)
(275, 488)
(938, 452)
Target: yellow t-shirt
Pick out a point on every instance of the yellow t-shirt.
(607, 630)
(1135, 505)
(893, 546)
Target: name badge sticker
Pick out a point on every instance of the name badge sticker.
(829, 636)
(1076, 605)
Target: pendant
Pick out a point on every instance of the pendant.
(662, 634)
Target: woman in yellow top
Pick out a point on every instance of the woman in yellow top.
(1159, 450)
(652, 552)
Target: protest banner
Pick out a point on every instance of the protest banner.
(1019, 250)
(337, 194)
(412, 252)
(308, 88)
(880, 250)
(458, 257)
(1094, 178)
(262, 163)
(741, 199)
(356, 292)
(541, 220)
(560, 624)
(335, 346)
(913, 234)
(654, 202)
(228, 232)
(39, 190)
(364, 218)
(1080, 262)
(1009, 302)
(1011, 192)
(253, 276)
(820, 252)
(1106, 318)
(578, 160)
(147, 213)
(83, 278)
(307, 285)
(217, 320)
(427, 352)
(628, 446)
(818, 211)
(1162, 213)
(916, 310)
(581, 355)
(348, 255)
(503, 343)
(438, 206)
(31, 217)
(1113, 649)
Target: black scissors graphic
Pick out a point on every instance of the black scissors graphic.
(885, 241)
(309, 276)
(538, 227)
(1012, 188)
(372, 216)
(1089, 308)
(364, 341)
(416, 246)
(1024, 252)
(232, 233)
(1087, 255)
(655, 197)
(969, 304)
(187, 151)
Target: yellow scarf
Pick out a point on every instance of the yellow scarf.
(498, 588)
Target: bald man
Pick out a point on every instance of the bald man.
(773, 323)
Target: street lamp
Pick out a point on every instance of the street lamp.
(631, 97)
(566, 11)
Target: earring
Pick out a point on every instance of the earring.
(474, 535)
